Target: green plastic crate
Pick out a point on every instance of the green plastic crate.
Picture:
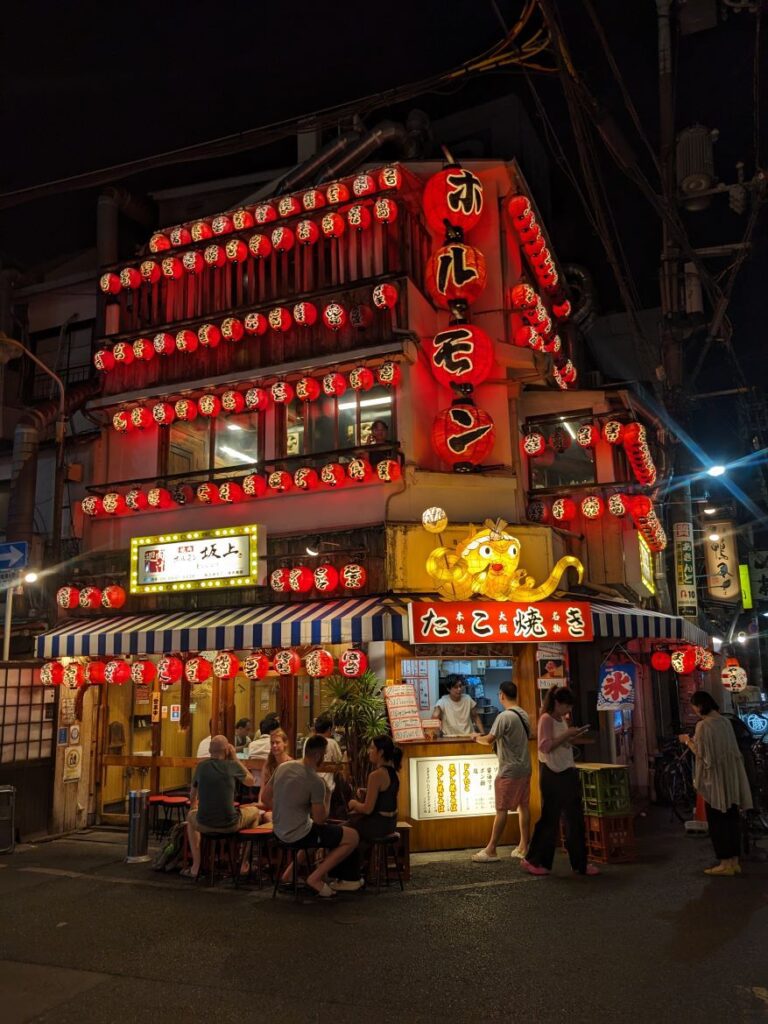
(604, 788)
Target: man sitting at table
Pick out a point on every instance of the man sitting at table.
(212, 799)
(299, 801)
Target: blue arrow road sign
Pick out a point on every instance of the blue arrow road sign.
(14, 555)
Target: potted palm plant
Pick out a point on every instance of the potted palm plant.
(358, 709)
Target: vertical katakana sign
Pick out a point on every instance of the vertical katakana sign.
(685, 571)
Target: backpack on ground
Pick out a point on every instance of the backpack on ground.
(170, 855)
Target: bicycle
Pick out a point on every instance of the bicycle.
(674, 779)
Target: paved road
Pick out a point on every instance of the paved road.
(86, 939)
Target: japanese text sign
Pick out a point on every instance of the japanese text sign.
(452, 787)
(403, 713)
(685, 570)
(492, 622)
(617, 686)
(722, 563)
(199, 560)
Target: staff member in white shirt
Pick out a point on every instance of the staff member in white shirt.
(456, 710)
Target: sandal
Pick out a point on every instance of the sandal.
(187, 873)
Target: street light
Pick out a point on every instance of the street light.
(28, 577)
(710, 510)
(716, 470)
(714, 537)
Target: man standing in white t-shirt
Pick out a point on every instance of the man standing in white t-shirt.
(456, 710)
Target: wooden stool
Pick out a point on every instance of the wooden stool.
(379, 863)
(214, 845)
(259, 838)
(288, 853)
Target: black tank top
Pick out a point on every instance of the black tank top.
(386, 801)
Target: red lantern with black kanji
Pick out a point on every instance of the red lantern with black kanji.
(335, 316)
(390, 177)
(287, 663)
(619, 505)
(257, 399)
(361, 379)
(661, 661)
(527, 337)
(117, 672)
(305, 314)
(280, 481)
(122, 352)
(363, 185)
(183, 494)
(179, 235)
(463, 435)
(186, 341)
(360, 317)
(333, 475)
(90, 598)
(453, 198)
(705, 660)
(121, 421)
(164, 344)
(256, 665)
(280, 319)
(150, 271)
(385, 296)
(200, 230)
(359, 217)
(733, 677)
(242, 219)
(136, 499)
(283, 239)
(208, 493)
(214, 256)
(564, 510)
(385, 210)
(185, 409)
(232, 329)
(74, 674)
(222, 225)
(559, 440)
(232, 402)
(226, 665)
(172, 268)
(332, 225)
(193, 261)
(104, 361)
(523, 296)
(318, 663)
(143, 349)
(231, 492)
(236, 250)
(209, 405)
(592, 506)
(533, 444)
(613, 432)
(52, 673)
(92, 505)
(306, 478)
(288, 206)
(313, 199)
(389, 374)
(537, 511)
(260, 246)
(587, 435)
(684, 661)
(455, 273)
(143, 672)
(68, 597)
(359, 470)
(159, 242)
(265, 213)
(307, 389)
(279, 580)
(353, 576)
(388, 470)
(281, 392)
(300, 579)
(255, 324)
(159, 497)
(334, 384)
(130, 278)
(307, 232)
(94, 673)
(113, 597)
(326, 579)
(640, 505)
(353, 663)
(110, 284)
(461, 354)
(197, 670)
(163, 413)
(337, 192)
(169, 670)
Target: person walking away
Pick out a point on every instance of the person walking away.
(721, 779)
(376, 815)
(299, 799)
(560, 789)
(212, 799)
(456, 710)
(510, 733)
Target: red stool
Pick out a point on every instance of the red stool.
(215, 846)
(174, 809)
(259, 839)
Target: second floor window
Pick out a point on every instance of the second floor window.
(203, 444)
(355, 419)
(564, 463)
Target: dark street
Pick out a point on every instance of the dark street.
(88, 938)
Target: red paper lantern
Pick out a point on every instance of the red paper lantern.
(592, 506)
(117, 672)
(337, 192)
(363, 185)
(359, 470)
(183, 494)
(334, 316)
(143, 349)
(264, 214)
(456, 273)
(215, 255)
(257, 399)
(236, 251)
(559, 440)
(159, 497)
(169, 670)
(232, 329)
(359, 217)
(307, 232)
(121, 421)
(641, 506)
(232, 402)
(150, 271)
(333, 475)
(360, 317)
(172, 268)
(361, 379)
(281, 392)
(68, 597)
(163, 413)
(185, 409)
(242, 219)
(288, 206)
(254, 485)
(306, 478)
(385, 296)
(313, 199)
(92, 505)
(110, 284)
(300, 579)
(143, 672)
(388, 470)
(385, 210)
(104, 361)
(52, 673)
(94, 673)
(187, 341)
(287, 663)
(618, 505)
(114, 503)
(390, 177)
(74, 674)
(318, 663)
(307, 389)
(453, 197)
(209, 405)
(684, 661)
(353, 663)
(613, 432)
(389, 374)
(222, 225)
(280, 481)
(461, 354)
(90, 598)
(334, 384)
(136, 499)
(113, 597)
(260, 246)
(164, 344)
(564, 510)
(283, 239)
(332, 225)
(231, 492)
(200, 230)
(661, 661)
(705, 660)
(255, 324)
(256, 665)
(122, 352)
(587, 435)
(226, 665)
(197, 670)
(527, 337)
(179, 235)
(130, 278)
(353, 576)
(280, 319)
(208, 493)
(193, 261)
(305, 314)
(537, 511)
(463, 435)
(326, 579)
(279, 580)
(159, 242)
(524, 297)
(533, 444)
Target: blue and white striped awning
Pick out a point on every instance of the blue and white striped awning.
(356, 620)
(611, 620)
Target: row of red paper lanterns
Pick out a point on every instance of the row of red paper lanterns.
(683, 660)
(300, 579)
(309, 201)
(539, 332)
(172, 669)
(281, 239)
(256, 485)
(70, 597)
(563, 510)
(279, 319)
(533, 242)
(631, 436)
(255, 399)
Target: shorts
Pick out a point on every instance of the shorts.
(326, 836)
(247, 817)
(512, 793)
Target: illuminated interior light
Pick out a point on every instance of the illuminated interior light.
(237, 454)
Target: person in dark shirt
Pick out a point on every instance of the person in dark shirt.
(243, 734)
(379, 435)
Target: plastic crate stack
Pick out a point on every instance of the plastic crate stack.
(607, 813)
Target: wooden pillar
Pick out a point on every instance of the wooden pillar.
(216, 717)
(527, 695)
(228, 707)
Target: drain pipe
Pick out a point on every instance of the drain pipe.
(386, 131)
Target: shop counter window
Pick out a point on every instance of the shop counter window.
(564, 463)
(330, 424)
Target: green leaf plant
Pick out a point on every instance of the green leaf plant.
(358, 709)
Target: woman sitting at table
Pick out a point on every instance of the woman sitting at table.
(278, 754)
(375, 816)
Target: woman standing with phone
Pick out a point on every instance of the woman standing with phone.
(560, 789)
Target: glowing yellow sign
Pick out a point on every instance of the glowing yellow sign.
(198, 560)
(646, 565)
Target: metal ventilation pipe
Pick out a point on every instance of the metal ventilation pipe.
(312, 165)
(410, 143)
(582, 284)
(110, 203)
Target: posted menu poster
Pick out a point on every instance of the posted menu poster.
(403, 713)
(453, 787)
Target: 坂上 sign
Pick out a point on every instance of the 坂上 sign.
(199, 560)
(467, 622)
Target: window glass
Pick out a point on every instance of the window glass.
(236, 440)
(376, 419)
(564, 463)
(323, 426)
(295, 434)
(189, 446)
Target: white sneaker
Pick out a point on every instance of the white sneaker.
(343, 886)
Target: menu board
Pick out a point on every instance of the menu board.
(453, 787)
(403, 713)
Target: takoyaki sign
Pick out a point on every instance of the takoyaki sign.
(198, 560)
(499, 622)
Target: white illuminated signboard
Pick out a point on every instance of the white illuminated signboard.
(453, 787)
(198, 560)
